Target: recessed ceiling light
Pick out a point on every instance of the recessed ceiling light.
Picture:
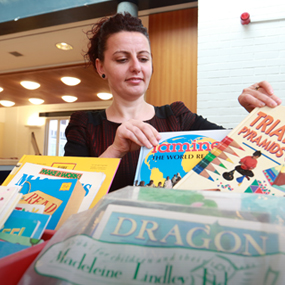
(31, 85)
(69, 98)
(36, 101)
(64, 46)
(7, 103)
(1, 89)
(71, 81)
(104, 96)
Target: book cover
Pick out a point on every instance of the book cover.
(20, 226)
(108, 166)
(61, 197)
(91, 181)
(30, 208)
(9, 197)
(176, 154)
(17, 239)
(136, 245)
(252, 155)
(43, 220)
(7, 248)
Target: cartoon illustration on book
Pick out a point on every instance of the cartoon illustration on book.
(247, 164)
(250, 159)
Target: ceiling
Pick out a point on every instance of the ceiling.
(39, 60)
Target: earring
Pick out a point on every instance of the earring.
(103, 76)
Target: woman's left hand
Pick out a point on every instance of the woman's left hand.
(258, 95)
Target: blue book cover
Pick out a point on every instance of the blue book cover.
(61, 197)
(7, 248)
(42, 218)
(20, 226)
(177, 153)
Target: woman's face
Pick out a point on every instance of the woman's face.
(127, 64)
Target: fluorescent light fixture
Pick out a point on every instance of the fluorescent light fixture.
(69, 98)
(64, 46)
(1, 89)
(31, 85)
(71, 81)
(7, 103)
(36, 101)
(104, 96)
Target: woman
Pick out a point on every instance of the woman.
(119, 50)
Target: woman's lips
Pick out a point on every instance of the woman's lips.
(134, 80)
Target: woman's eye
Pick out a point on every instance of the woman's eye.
(121, 60)
(144, 59)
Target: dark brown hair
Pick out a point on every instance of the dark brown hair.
(106, 27)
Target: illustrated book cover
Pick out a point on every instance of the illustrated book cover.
(18, 223)
(21, 227)
(61, 197)
(252, 157)
(138, 245)
(30, 208)
(108, 166)
(91, 181)
(177, 153)
(9, 197)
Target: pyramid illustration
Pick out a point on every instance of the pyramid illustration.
(254, 188)
(276, 177)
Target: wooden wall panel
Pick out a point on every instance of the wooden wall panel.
(173, 37)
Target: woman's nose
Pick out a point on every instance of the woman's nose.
(135, 65)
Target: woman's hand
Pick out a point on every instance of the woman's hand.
(258, 95)
(130, 136)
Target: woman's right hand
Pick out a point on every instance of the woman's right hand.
(130, 136)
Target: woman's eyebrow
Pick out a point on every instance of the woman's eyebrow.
(126, 52)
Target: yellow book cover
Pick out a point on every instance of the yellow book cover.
(108, 166)
(252, 157)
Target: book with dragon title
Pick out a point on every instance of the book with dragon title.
(252, 156)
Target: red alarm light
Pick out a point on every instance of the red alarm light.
(245, 18)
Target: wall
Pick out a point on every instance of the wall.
(232, 56)
(173, 37)
(17, 135)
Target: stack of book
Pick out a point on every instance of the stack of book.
(141, 235)
(42, 192)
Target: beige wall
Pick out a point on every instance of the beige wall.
(1, 138)
(16, 135)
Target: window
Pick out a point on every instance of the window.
(55, 136)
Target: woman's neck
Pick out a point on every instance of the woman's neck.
(120, 112)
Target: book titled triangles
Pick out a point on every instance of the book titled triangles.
(250, 159)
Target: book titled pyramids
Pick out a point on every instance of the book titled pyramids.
(252, 157)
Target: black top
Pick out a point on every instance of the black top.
(89, 133)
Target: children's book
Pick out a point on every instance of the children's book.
(176, 154)
(7, 248)
(91, 181)
(145, 243)
(19, 226)
(30, 208)
(252, 157)
(9, 197)
(16, 216)
(61, 197)
(108, 166)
